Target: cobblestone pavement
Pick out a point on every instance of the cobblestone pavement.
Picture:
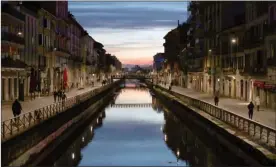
(265, 116)
(39, 102)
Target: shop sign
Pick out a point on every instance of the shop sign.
(259, 84)
(269, 86)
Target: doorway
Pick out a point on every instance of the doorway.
(246, 87)
(21, 89)
(241, 89)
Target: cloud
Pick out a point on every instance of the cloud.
(128, 15)
(133, 31)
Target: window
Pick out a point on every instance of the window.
(40, 39)
(271, 15)
(272, 50)
(44, 22)
(4, 28)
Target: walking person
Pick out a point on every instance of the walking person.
(59, 95)
(16, 109)
(258, 102)
(216, 100)
(170, 87)
(63, 97)
(251, 109)
(55, 94)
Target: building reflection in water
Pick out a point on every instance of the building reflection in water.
(188, 147)
(156, 105)
(72, 156)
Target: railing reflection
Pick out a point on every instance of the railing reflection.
(156, 105)
(195, 147)
(72, 156)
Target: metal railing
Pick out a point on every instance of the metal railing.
(260, 133)
(131, 76)
(17, 125)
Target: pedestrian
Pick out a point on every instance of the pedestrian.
(64, 97)
(59, 94)
(55, 94)
(216, 100)
(16, 109)
(258, 102)
(170, 87)
(250, 108)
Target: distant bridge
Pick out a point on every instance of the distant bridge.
(134, 105)
(131, 76)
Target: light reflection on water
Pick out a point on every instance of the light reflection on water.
(129, 136)
(138, 137)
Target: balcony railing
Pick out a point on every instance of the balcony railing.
(6, 8)
(6, 36)
(257, 71)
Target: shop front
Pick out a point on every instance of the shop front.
(270, 91)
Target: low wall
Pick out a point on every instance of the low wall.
(213, 126)
(16, 146)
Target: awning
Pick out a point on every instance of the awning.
(259, 84)
(269, 86)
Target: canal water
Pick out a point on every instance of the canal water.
(138, 136)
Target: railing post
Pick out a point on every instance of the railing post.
(3, 129)
(261, 131)
(267, 139)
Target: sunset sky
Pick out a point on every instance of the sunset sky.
(133, 31)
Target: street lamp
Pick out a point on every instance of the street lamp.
(233, 40)
(19, 33)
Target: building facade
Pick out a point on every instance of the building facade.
(13, 69)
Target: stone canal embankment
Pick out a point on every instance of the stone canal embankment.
(257, 141)
(48, 124)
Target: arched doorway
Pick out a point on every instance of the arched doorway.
(246, 88)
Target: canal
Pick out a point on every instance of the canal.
(148, 135)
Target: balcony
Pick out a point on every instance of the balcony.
(257, 71)
(10, 37)
(8, 62)
(229, 71)
(195, 69)
(6, 8)
(253, 42)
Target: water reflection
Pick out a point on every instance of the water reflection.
(190, 148)
(139, 137)
(72, 156)
(156, 105)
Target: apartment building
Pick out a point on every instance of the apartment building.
(194, 48)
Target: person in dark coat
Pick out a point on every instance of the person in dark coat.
(170, 87)
(63, 97)
(55, 94)
(59, 94)
(16, 109)
(216, 100)
(251, 109)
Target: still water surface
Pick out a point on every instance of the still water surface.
(139, 137)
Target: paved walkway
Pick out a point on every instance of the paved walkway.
(265, 116)
(39, 102)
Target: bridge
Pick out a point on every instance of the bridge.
(134, 105)
(132, 76)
